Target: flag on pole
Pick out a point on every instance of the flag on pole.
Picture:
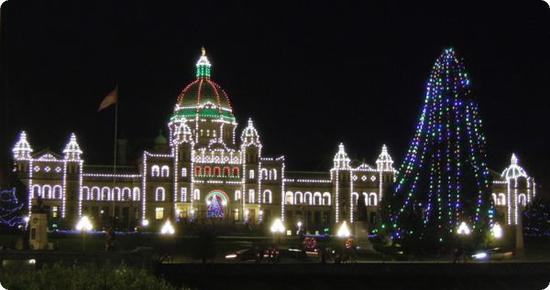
(110, 99)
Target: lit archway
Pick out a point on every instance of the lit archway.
(216, 204)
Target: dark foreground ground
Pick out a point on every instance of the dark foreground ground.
(360, 276)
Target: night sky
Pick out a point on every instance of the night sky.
(310, 74)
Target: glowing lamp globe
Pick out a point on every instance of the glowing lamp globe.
(496, 231)
(463, 229)
(277, 227)
(167, 229)
(84, 224)
(343, 231)
(145, 222)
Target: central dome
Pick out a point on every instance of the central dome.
(203, 97)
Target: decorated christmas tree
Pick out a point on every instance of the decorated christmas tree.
(444, 180)
(11, 214)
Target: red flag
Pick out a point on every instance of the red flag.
(110, 99)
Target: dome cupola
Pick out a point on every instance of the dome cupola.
(203, 98)
(514, 171)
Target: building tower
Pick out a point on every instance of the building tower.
(72, 195)
(251, 152)
(520, 190)
(342, 184)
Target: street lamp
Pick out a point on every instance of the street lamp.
(496, 231)
(145, 223)
(167, 229)
(84, 225)
(299, 225)
(343, 230)
(277, 227)
(463, 229)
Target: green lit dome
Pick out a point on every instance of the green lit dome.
(203, 97)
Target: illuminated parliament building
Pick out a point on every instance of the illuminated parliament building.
(210, 168)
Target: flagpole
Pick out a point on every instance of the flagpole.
(115, 161)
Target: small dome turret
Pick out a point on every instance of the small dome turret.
(72, 149)
(180, 133)
(514, 171)
(384, 161)
(160, 139)
(250, 135)
(22, 149)
(341, 159)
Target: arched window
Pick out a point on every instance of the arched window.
(207, 170)
(226, 171)
(198, 171)
(116, 194)
(373, 200)
(96, 193)
(354, 198)
(135, 194)
(36, 192)
(217, 171)
(155, 171)
(267, 196)
(273, 174)
(317, 199)
(326, 198)
(289, 198)
(57, 192)
(105, 193)
(160, 194)
(236, 171)
(46, 191)
(126, 194)
(298, 197)
(522, 199)
(196, 194)
(501, 199)
(184, 172)
(495, 200)
(307, 198)
(85, 193)
(165, 171)
(263, 173)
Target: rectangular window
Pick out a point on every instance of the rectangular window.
(237, 195)
(251, 174)
(183, 197)
(236, 215)
(159, 213)
(54, 211)
(251, 194)
(184, 172)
